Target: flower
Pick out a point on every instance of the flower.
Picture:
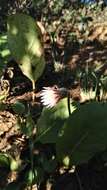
(50, 96)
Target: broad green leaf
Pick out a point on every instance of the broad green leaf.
(25, 44)
(83, 134)
(51, 122)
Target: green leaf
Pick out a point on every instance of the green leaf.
(38, 175)
(7, 161)
(18, 107)
(14, 164)
(4, 160)
(29, 177)
(35, 176)
(51, 122)
(5, 53)
(83, 134)
(2, 97)
(25, 44)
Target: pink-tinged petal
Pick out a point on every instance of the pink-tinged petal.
(50, 96)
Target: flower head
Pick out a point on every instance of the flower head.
(50, 96)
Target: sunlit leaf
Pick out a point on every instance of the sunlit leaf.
(14, 164)
(5, 53)
(51, 122)
(83, 134)
(25, 44)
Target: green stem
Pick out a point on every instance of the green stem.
(79, 181)
(68, 102)
(31, 156)
(31, 146)
(33, 87)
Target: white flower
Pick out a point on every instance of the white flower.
(50, 96)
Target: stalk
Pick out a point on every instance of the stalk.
(34, 88)
(68, 102)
